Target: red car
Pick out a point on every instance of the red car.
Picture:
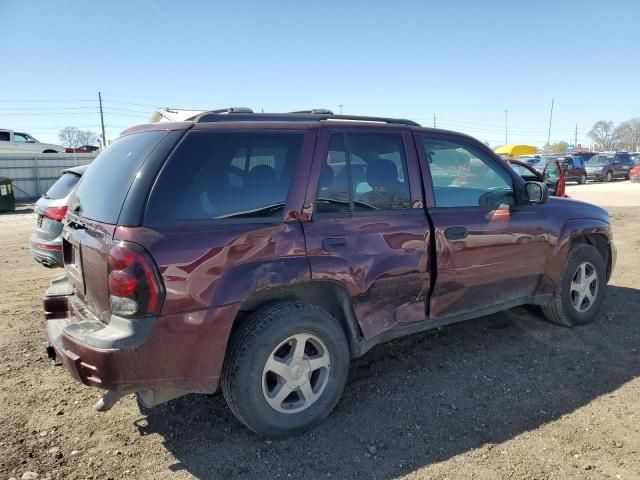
(260, 253)
(553, 175)
(82, 149)
(634, 173)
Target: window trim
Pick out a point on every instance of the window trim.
(321, 158)
(517, 181)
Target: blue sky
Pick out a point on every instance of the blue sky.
(465, 61)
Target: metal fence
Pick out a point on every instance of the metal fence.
(32, 175)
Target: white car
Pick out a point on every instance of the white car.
(17, 142)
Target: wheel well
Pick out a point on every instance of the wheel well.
(329, 295)
(49, 151)
(601, 243)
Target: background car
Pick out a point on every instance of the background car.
(609, 165)
(82, 149)
(574, 169)
(552, 176)
(46, 242)
(634, 173)
(18, 142)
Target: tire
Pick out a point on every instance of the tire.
(562, 310)
(269, 337)
(582, 180)
(626, 177)
(608, 177)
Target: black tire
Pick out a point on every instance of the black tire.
(626, 177)
(582, 180)
(561, 309)
(608, 177)
(254, 343)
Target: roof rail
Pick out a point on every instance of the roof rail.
(248, 116)
(231, 110)
(316, 111)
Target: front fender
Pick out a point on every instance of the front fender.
(570, 232)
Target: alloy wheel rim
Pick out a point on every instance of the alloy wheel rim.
(296, 373)
(584, 287)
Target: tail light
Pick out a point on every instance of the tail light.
(135, 288)
(55, 213)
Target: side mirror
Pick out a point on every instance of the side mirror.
(536, 192)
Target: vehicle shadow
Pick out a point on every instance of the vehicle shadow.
(423, 399)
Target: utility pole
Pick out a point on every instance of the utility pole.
(575, 139)
(434, 120)
(506, 127)
(340, 107)
(104, 137)
(550, 118)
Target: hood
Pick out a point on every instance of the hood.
(570, 208)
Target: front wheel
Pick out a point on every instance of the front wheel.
(580, 291)
(608, 177)
(286, 368)
(583, 179)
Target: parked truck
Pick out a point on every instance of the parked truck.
(19, 142)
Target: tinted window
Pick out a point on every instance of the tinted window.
(62, 186)
(226, 175)
(104, 186)
(364, 172)
(464, 177)
(4, 136)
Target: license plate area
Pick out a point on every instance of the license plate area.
(72, 254)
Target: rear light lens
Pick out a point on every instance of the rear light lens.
(55, 213)
(135, 288)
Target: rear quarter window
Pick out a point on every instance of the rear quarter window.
(214, 176)
(105, 184)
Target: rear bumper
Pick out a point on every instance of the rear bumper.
(47, 252)
(181, 351)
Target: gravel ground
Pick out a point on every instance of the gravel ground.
(505, 396)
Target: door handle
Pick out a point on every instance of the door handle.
(455, 233)
(333, 244)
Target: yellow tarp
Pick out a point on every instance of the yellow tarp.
(515, 150)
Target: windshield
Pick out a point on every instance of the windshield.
(600, 160)
(62, 186)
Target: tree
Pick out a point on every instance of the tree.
(629, 134)
(73, 137)
(558, 147)
(604, 135)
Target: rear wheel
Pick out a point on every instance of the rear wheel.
(286, 368)
(580, 291)
(608, 177)
(583, 179)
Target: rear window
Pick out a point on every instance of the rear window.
(62, 186)
(226, 176)
(104, 186)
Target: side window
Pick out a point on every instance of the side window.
(364, 172)
(464, 177)
(4, 136)
(226, 175)
(551, 171)
(20, 138)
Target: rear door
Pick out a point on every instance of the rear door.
(367, 226)
(490, 251)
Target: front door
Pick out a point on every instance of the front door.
(490, 250)
(368, 228)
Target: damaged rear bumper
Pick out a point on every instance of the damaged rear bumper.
(161, 356)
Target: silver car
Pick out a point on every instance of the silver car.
(46, 242)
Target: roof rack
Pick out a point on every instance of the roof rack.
(247, 115)
(316, 111)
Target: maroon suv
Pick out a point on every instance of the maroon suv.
(259, 253)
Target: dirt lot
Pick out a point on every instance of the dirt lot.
(506, 396)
